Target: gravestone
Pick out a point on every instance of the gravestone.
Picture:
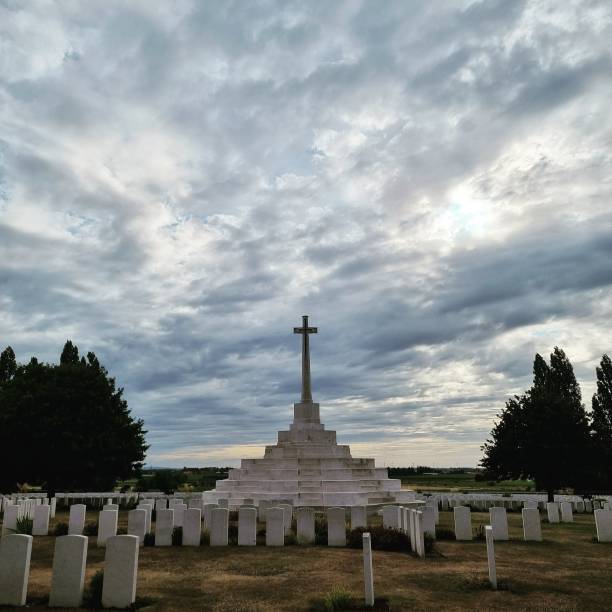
(358, 517)
(137, 522)
(429, 521)
(120, 571)
(463, 523)
(532, 529)
(411, 528)
(15, 553)
(491, 556)
(179, 514)
(567, 515)
(161, 504)
(264, 504)
(149, 509)
(107, 526)
(580, 507)
(247, 526)
(552, 511)
(336, 527)
(53, 505)
(405, 519)
(164, 525)
(207, 515)
(40, 527)
(603, 524)
(391, 517)
(305, 525)
(192, 526)
(275, 527)
(76, 521)
(418, 533)
(499, 523)
(368, 575)
(68, 578)
(219, 525)
(288, 510)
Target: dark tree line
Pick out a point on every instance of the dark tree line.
(547, 435)
(65, 426)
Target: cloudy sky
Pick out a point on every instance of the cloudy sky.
(430, 181)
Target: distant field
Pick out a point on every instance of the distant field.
(463, 482)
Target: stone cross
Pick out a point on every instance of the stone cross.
(305, 330)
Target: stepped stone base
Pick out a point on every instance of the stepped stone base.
(308, 468)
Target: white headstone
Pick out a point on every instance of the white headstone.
(411, 528)
(207, 515)
(532, 529)
(567, 515)
(588, 506)
(69, 558)
(288, 510)
(247, 526)
(499, 523)
(161, 504)
(137, 523)
(107, 526)
(530, 503)
(552, 510)
(336, 527)
(218, 531)
(40, 527)
(491, 556)
(603, 523)
(305, 525)
(192, 526)
(179, 513)
(76, 521)
(391, 517)
(359, 517)
(223, 503)
(114, 507)
(164, 525)
(368, 575)
(120, 571)
(53, 505)
(418, 531)
(15, 553)
(580, 507)
(429, 521)
(275, 527)
(149, 508)
(263, 505)
(463, 523)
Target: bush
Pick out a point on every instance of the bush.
(90, 529)
(442, 533)
(429, 543)
(149, 539)
(338, 599)
(382, 538)
(61, 529)
(93, 594)
(205, 538)
(232, 534)
(321, 532)
(177, 536)
(24, 525)
(290, 539)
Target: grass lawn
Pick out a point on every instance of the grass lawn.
(566, 572)
(463, 482)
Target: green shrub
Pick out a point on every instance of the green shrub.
(149, 539)
(93, 594)
(205, 538)
(232, 534)
(321, 532)
(479, 533)
(61, 529)
(177, 536)
(382, 538)
(338, 599)
(24, 525)
(90, 528)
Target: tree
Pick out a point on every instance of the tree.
(67, 426)
(601, 422)
(8, 365)
(543, 434)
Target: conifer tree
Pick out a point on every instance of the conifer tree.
(601, 423)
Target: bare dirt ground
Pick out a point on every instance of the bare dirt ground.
(568, 571)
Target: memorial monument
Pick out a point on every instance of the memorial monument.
(307, 467)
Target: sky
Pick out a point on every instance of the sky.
(430, 181)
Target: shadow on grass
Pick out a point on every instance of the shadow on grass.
(322, 604)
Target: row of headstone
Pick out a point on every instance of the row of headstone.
(68, 573)
(532, 529)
